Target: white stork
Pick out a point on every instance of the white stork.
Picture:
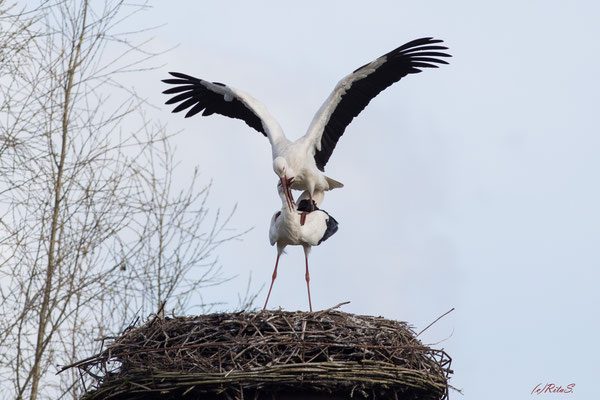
(291, 228)
(301, 163)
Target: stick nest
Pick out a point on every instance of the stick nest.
(255, 355)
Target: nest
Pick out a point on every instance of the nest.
(266, 355)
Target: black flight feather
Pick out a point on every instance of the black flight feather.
(195, 95)
(332, 227)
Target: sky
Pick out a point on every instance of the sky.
(473, 186)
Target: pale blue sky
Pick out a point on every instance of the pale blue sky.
(473, 186)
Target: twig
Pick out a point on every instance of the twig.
(331, 308)
(438, 318)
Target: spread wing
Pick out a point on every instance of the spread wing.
(352, 94)
(197, 95)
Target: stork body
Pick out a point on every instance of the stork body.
(294, 161)
(286, 229)
(301, 163)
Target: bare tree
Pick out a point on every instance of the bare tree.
(168, 242)
(92, 227)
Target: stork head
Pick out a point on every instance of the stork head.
(280, 167)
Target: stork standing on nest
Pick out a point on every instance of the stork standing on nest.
(300, 164)
(289, 227)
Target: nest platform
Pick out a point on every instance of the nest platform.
(268, 355)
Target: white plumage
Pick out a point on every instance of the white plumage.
(289, 228)
(300, 164)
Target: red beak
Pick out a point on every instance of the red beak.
(287, 192)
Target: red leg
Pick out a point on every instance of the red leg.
(307, 276)
(272, 281)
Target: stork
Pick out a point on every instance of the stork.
(300, 164)
(287, 230)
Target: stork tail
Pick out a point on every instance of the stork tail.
(333, 184)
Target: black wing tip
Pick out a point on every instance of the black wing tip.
(420, 42)
(418, 48)
(178, 74)
(429, 40)
(176, 81)
(182, 78)
(175, 74)
(416, 44)
(419, 53)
